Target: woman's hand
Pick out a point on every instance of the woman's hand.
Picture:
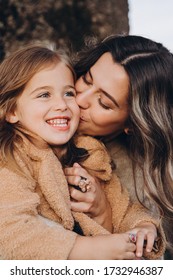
(93, 202)
(145, 233)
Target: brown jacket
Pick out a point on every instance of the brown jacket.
(127, 213)
(35, 217)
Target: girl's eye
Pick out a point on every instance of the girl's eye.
(44, 95)
(70, 93)
(106, 107)
(84, 78)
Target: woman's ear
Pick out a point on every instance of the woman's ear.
(12, 117)
(127, 130)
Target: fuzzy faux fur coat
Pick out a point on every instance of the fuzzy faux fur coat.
(35, 217)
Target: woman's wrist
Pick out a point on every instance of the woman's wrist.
(105, 218)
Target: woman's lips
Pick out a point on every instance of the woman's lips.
(82, 119)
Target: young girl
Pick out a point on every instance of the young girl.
(38, 113)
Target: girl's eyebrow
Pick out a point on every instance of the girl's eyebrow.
(49, 87)
(69, 86)
(39, 88)
(104, 92)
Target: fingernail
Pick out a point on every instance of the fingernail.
(139, 254)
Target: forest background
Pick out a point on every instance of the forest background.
(66, 23)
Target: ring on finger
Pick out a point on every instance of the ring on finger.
(132, 237)
(84, 184)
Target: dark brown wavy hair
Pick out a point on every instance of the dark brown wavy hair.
(149, 66)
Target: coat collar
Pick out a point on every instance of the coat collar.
(49, 176)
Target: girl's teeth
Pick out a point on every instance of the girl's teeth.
(58, 122)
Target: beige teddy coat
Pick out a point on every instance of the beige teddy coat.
(35, 217)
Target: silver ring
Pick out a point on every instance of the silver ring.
(84, 184)
(132, 237)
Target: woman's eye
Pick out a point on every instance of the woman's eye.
(70, 93)
(106, 107)
(86, 81)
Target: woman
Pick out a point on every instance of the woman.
(125, 91)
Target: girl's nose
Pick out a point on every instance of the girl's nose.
(60, 104)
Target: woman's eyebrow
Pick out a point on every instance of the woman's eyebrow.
(89, 72)
(105, 93)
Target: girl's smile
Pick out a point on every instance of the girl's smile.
(61, 123)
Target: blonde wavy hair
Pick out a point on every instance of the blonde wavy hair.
(15, 72)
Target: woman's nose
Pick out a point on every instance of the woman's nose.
(83, 99)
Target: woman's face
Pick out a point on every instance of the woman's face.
(102, 95)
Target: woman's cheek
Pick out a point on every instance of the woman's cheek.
(101, 119)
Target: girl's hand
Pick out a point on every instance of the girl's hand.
(93, 201)
(103, 247)
(145, 235)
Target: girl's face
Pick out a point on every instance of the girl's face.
(47, 107)
(102, 95)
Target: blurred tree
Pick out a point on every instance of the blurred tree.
(65, 23)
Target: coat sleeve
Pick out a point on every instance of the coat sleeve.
(23, 233)
(126, 215)
(128, 176)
